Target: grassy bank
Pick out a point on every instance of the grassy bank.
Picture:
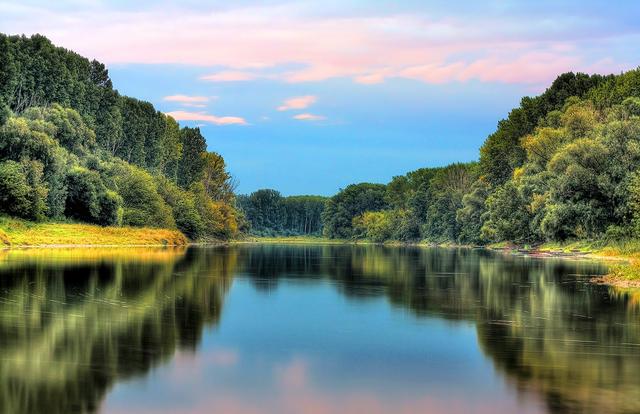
(624, 271)
(17, 233)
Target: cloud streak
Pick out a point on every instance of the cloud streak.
(229, 76)
(298, 102)
(309, 117)
(186, 99)
(204, 117)
(425, 45)
(189, 101)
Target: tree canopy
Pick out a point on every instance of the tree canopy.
(72, 147)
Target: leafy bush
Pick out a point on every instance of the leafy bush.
(356, 199)
(111, 210)
(218, 218)
(186, 215)
(70, 130)
(376, 226)
(5, 112)
(15, 190)
(143, 205)
(89, 200)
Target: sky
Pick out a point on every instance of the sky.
(307, 97)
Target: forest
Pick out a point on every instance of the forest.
(562, 166)
(73, 149)
(269, 214)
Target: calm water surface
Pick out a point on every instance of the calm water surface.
(312, 329)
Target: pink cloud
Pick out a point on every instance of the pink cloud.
(229, 76)
(295, 391)
(204, 117)
(293, 375)
(324, 46)
(298, 102)
(309, 117)
(371, 78)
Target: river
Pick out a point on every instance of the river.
(318, 329)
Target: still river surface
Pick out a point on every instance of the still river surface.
(292, 329)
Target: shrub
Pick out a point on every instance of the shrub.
(5, 112)
(88, 199)
(38, 190)
(70, 130)
(110, 208)
(218, 218)
(14, 190)
(182, 203)
(143, 205)
(377, 226)
(84, 189)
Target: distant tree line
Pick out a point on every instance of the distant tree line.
(564, 165)
(268, 213)
(72, 147)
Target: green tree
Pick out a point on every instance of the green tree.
(192, 162)
(217, 182)
(5, 112)
(448, 187)
(142, 203)
(83, 197)
(507, 216)
(15, 191)
(183, 205)
(502, 153)
(171, 149)
(471, 215)
(354, 200)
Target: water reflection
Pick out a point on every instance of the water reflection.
(74, 323)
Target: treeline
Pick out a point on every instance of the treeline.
(72, 147)
(268, 213)
(564, 165)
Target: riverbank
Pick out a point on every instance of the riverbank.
(624, 271)
(624, 255)
(22, 233)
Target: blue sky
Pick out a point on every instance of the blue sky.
(307, 97)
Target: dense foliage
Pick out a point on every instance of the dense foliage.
(564, 165)
(344, 207)
(71, 147)
(268, 213)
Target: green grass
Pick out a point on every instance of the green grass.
(629, 271)
(624, 273)
(15, 233)
(628, 248)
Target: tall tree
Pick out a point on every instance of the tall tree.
(217, 181)
(192, 162)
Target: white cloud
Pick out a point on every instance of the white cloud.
(430, 47)
(186, 99)
(309, 117)
(204, 117)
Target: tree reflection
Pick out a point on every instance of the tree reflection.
(541, 324)
(72, 322)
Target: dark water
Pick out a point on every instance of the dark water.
(312, 329)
